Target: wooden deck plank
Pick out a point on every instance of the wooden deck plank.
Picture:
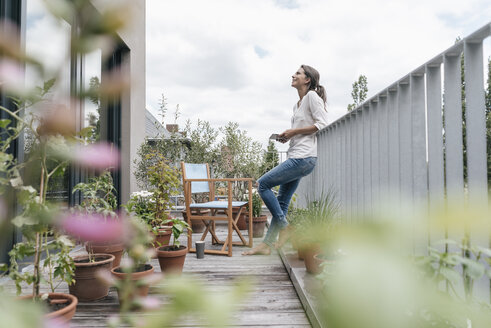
(272, 302)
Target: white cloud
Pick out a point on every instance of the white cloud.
(231, 60)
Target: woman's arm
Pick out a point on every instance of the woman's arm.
(290, 133)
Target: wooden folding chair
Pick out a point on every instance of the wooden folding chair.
(196, 179)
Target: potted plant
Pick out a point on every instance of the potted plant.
(313, 226)
(171, 258)
(258, 220)
(132, 277)
(142, 204)
(37, 218)
(99, 198)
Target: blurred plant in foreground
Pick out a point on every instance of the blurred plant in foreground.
(382, 281)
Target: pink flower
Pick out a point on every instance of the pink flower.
(92, 227)
(150, 303)
(55, 323)
(98, 156)
(11, 75)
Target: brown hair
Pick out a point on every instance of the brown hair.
(314, 77)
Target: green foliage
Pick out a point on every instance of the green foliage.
(359, 92)
(317, 221)
(270, 158)
(461, 267)
(142, 204)
(178, 227)
(203, 143)
(257, 203)
(98, 195)
(164, 179)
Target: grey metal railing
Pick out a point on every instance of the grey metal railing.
(404, 146)
(395, 142)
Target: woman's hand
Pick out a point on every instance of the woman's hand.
(287, 135)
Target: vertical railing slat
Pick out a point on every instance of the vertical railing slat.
(475, 121)
(383, 147)
(394, 153)
(435, 135)
(367, 181)
(405, 143)
(454, 167)
(361, 160)
(435, 146)
(352, 164)
(375, 156)
(476, 124)
(420, 173)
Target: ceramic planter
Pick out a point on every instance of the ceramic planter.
(309, 250)
(113, 249)
(258, 225)
(65, 313)
(87, 287)
(162, 238)
(170, 260)
(142, 289)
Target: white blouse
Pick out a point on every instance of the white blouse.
(310, 112)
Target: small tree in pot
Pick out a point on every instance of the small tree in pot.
(172, 257)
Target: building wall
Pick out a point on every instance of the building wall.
(133, 102)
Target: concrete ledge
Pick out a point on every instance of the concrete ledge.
(304, 283)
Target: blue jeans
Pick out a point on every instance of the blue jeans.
(287, 175)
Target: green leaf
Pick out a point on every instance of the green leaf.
(474, 269)
(16, 182)
(20, 221)
(450, 275)
(4, 123)
(483, 250)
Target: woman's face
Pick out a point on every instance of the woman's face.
(299, 79)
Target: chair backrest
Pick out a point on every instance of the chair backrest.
(196, 171)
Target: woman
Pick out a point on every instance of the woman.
(309, 116)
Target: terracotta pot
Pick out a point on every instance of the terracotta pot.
(162, 238)
(172, 261)
(64, 314)
(308, 256)
(241, 222)
(87, 287)
(113, 249)
(319, 259)
(294, 242)
(258, 225)
(196, 225)
(142, 289)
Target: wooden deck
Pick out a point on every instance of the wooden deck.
(273, 301)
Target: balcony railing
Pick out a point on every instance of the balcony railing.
(407, 140)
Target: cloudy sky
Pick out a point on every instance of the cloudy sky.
(232, 60)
